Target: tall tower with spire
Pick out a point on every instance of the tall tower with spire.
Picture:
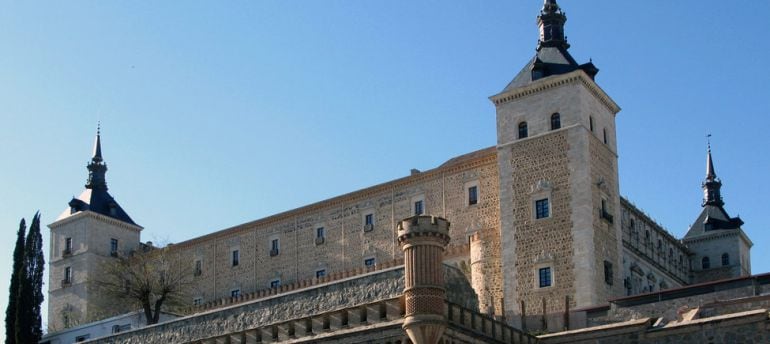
(559, 195)
(93, 229)
(721, 249)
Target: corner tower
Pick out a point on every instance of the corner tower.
(720, 247)
(93, 229)
(557, 161)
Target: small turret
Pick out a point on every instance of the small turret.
(551, 22)
(97, 168)
(712, 185)
(423, 240)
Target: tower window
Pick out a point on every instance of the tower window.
(319, 233)
(725, 259)
(473, 195)
(555, 121)
(67, 275)
(235, 293)
(198, 267)
(67, 246)
(605, 135)
(320, 273)
(369, 262)
(236, 257)
(544, 277)
(523, 130)
(418, 208)
(608, 273)
(275, 283)
(197, 301)
(705, 263)
(275, 247)
(113, 247)
(542, 209)
(591, 123)
(368, 222)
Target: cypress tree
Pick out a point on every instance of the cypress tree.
(28, 318)
(13, 293)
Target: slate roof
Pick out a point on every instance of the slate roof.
(95, 197)
(713, 218)
(549, 61)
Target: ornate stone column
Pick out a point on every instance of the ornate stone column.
(423, 239)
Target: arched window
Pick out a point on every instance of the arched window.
(725, 259)
(522, 130)
(705, 263)
(555, 121)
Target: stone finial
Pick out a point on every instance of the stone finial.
(423, 240)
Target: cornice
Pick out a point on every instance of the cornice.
(488, 156)
(94, 215)
(556, 81)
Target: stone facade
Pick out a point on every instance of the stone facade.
(72, 299)
(539, 228)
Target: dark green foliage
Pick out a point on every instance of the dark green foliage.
(30, 297)
(18, 258)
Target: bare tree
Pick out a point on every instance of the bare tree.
(154, 279)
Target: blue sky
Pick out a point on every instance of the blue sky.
(218, 113)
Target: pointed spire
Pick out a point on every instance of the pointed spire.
(710, 174)
(712, 185)
(96, 168)
(97, 156)
(551, 22)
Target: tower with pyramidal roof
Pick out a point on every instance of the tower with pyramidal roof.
(93, 229)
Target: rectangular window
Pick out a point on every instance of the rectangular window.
(542, 209)
(120, 328)
(113, 247)
(198, 267)
(544, 277)
(473, 195)
(67, 275)
(608, 273)
(320, 273)
(236, 257)
(369, 262)
(198, 301)
(274, 247)
(319, 233)
(418, 208)
(235, 293)
(369, 219)
(68, 246)
(275, 283)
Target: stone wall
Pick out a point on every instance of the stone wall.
(347, 242)
(349, 293)
(741, 293)
(746, 327)
(653, 258)
(539, 167)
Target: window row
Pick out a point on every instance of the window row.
(68, 248)
(556, 124)
(706, 261)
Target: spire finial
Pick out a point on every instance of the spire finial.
(712, 185)
(97, 168)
